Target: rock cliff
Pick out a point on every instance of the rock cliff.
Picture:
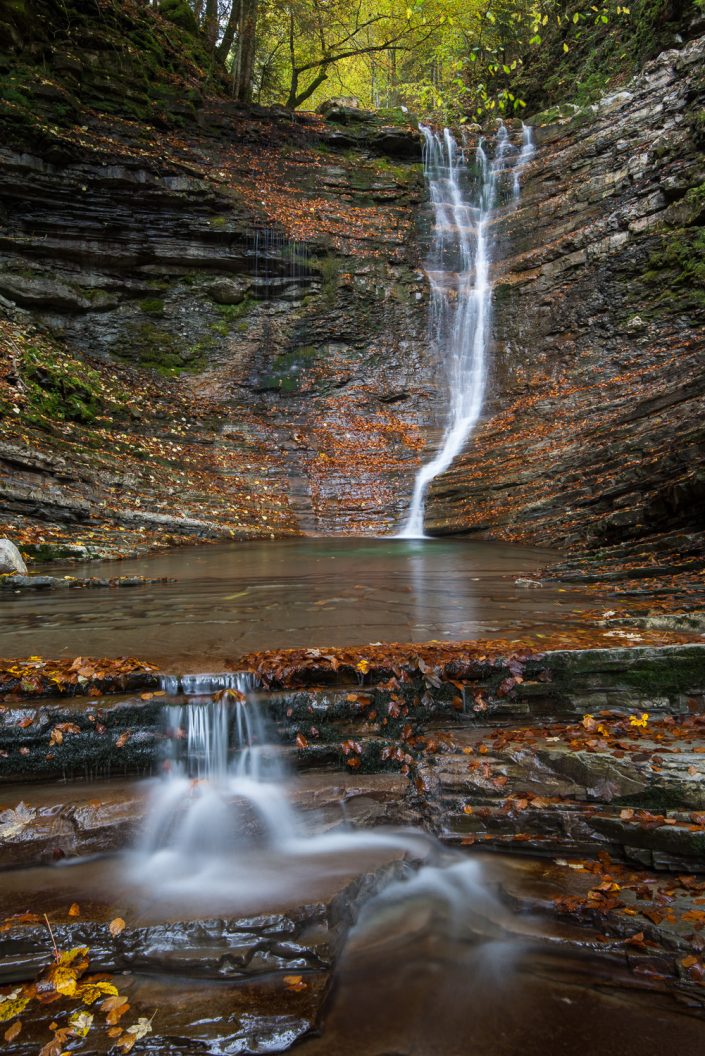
(592, 438)
(230, 327)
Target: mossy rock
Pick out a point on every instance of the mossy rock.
(60, 388)
(288, 370)
(152, 306)
(180, 13)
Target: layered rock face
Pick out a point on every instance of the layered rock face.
(251, 312)
(592, 437)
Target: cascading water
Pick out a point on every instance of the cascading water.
(458, 269)
(220, 824)
(222, 790)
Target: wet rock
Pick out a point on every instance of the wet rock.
(296, 936)
(11, 559)
(40, 825)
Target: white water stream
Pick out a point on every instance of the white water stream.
(220, 824)
(464, 198)
(221, 828)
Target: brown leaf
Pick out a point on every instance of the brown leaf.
(13, 1031)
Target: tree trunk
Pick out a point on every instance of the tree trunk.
(211, 24)
(244, 66)
(297, 98)
(223, 49)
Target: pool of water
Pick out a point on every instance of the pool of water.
(226, 600)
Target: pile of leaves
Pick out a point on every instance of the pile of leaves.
(617, 894)
(436, 661)
(36, 677)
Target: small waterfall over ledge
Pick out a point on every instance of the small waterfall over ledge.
(220, 824)
(464, 199)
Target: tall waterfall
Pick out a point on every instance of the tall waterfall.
(458, 269)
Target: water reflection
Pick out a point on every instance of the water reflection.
(229, 599)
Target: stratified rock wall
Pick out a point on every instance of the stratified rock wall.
(255, 284)
(593, 434)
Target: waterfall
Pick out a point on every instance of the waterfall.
(458, 269)
(222, 790)
(219, 823)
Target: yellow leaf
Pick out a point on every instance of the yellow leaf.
(81, 1023)
(295, 983)
(12, 1004)
(91, 992)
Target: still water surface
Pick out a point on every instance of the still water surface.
(226, 600)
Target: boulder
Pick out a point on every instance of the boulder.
(228, 291)
(11, 558)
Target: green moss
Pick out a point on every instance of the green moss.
(329, 268)
(394, 115)
(218, 221)
(152, 306)
(59, 387)
(682, 255)
(287, 370)
(232, 312)
(159, 349)
(10, 94)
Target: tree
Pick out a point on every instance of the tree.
(325, 33)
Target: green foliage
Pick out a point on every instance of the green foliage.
(448, 59)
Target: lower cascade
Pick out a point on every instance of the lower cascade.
(220, 827)
(464, 197)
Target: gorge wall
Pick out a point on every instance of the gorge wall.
(213, 318)
(211, 326)
(592, 438)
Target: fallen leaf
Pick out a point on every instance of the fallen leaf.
(13, 1031)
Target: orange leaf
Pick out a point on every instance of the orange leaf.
(117, 925)
(12, 1032)
(295, 983)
